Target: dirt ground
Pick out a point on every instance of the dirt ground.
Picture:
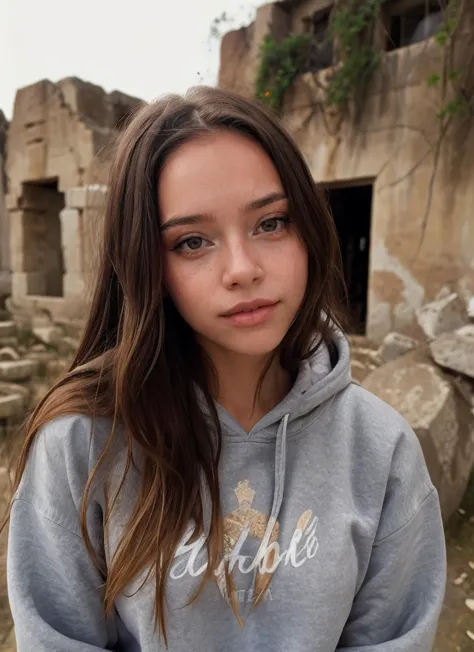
(7, 643)
(456, 619)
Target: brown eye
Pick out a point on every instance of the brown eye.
(270, 225)
(194, 243)
(273, 224)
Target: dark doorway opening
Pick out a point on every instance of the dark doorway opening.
(351, 208)
(42, 237)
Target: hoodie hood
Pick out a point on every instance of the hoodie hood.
(319, 379)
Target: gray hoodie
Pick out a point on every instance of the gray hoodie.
(329, 492)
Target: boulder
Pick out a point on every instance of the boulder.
(439, 415)
(13, 401)
(470, 308)
(56, 368)
(7, 329)
(17, 370)
(38, 348)
(444, 315)
(9, 341)
(465, 388)
(395, 345)
(466, 331)
(8, 353)
(455, 351)
(68, 346)
(48, 334)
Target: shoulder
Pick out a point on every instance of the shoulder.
(390, 454)
(374, 421)
(60, 460)
(75, 435)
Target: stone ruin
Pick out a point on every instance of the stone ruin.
(5, 286)
(54, 162)
(59, 145)
(430, 381)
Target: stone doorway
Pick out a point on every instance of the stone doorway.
(43, 254)
(351, 207)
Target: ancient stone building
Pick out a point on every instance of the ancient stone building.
(4, 231)
(405, 223)
(59, 145)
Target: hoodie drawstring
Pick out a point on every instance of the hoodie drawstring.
(262, 580)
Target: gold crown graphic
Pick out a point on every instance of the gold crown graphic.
(244, 493)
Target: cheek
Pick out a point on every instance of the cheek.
(185, 287)
(292, 267)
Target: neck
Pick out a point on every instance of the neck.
(238, 381)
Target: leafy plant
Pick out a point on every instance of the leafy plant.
(351, 25)
(460, 104)
(280, 63)
(350, 28)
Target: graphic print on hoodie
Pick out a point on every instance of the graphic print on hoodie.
(329, 491)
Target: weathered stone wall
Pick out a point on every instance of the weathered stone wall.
(413, 254)
(59, 140)
(393, 146)
(4, 230)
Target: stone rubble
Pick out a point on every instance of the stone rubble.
(431, 383)
(455, 352)
(443, 315)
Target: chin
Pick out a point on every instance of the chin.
(256, 344)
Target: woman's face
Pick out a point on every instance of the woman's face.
(235, 266)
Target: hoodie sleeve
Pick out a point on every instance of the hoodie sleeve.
(55, 590)
(399, 602)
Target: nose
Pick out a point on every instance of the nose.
(242, 268)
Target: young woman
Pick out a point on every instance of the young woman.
(206, 476)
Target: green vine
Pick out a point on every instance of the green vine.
(451, 76)
(280, 63)
(351, 26)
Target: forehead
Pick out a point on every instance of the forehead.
(216, 172)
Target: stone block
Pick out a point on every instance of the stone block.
(470, 308)
(48, 334)
(9, 353)
(7, 329)
(5, 283)
(11, 404)
(74, 285)
(67, 346)
(30, 283)
(443, 315)
(466, 331)
(9, 341)
(37, 157)
(91, 196)
(439, 415)
(71, 234)
(17, 370)
(455, 351)
(395, 345)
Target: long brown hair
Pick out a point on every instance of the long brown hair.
(138, 362)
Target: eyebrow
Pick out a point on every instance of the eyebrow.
(190, 220)
(264, 201)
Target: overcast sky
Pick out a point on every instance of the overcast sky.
(141, 47)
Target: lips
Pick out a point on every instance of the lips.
(249, 306)
(251, 313)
